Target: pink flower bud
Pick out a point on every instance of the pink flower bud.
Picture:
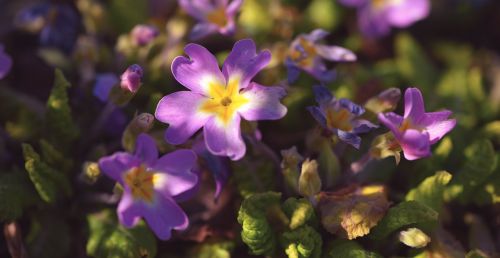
(143, 34)
(131, 78)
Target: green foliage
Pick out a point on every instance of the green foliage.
(328, 164)
(15, 194)
(221, 249)
(302, 242)
(125, 14)
(300, 211)
(350, 249)
(110, 240)
(476, 254)
(253, 175)
(323, 14)
(430, 191)
(47, 180)
(480, 163)
(59, 125)
(50, 235)
(404, 214)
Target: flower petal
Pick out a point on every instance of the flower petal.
(322, 95)
(202, 30)
(5, 63)
(391, 120)
(103, 85)
(244, 62)
(372, 23)
(224, 140)
(198, 71)
(292, 70)
(349, 138)
(164, 216)
(173, 184)
(145, 149)
(128, 211)
(438, 129)
(403, 13)
(316, 35)
(263, 103)
(318, 115)
(353, 3)
(196, 9)
(179, 161)
(414, 104)
(233, 7)
(180, 111)
(335, 53)
(351, 107)
(363, 126)
(415, 144)
(115, 165)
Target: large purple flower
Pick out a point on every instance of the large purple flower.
(305, 53)
(218, 100)
(376, 17)
(417, 130)
(5, 63)
(339, 116)
(151, 184)
(213, 16)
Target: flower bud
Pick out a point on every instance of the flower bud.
(140, 124)
(309, 181)
(143, 34)
(290, 167)
(414, 237)
(131, 78)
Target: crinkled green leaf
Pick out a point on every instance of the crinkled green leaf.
(108, 239)
(300, 211)
(302, 242)
(59, 125)
(253, 175)
(16, 193)
(404, 214)
(430, 191)
(350, 249)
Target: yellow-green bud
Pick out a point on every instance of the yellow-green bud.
(414, 237)
(309, 180)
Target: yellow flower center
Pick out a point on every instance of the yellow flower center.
(218, 17)
(304, 58)
(339, 119)
(224, 101)
(141, 182)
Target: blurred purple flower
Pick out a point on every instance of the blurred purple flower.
(5, 63)
(339, 116)
(417, 130)
(143, 34)
(57, 24)
(213, 16)
(131, 78)
(150, 185)
(103, 85)
(305, 53)
(218, 100)
(376, 17)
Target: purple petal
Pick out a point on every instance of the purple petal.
(179, 161)
(414, 104)
(180, 111)
(224, 140)
(322, 95)
(351, 107)
(5, 63)
(349, 138)
(353, 3)
(103, 85)
(198, 71)
(362, 126)
(318, 115)
(316, 35)
(145, 149)
(391, 120)
(372, 23)
(438, 129)
(174, 184)
(415, 144)
(202, 30)
(196, 8)
(129, 212)
(164, 216)
(244, 62)
(403, 13)
(432, 117)
(319, 71)
(335, 53)
(264, 103)
(115, 165)
(233, 7)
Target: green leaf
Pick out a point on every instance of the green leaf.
(221, 249)
(59, 125)
(430, 191)
(300, 211)
(15, 194)
(125, 14)
(302, 242)
(110, 240)
(253, 175)
(350, 249)
(480, 163)
(404, 214)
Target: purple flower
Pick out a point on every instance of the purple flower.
(417, 130)
(151, 184)
(131, 78)
(339, 116)
(376, 17)
(308, 55)
(213, 16)
(218, 100)
(5, 63)
(103, 85)
(143, 34)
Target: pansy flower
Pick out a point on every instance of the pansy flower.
(213, 16)
(218, 100)
(339, 116)
(151, 184)
(305, 53)
(376, 17)
(5, 63)
(417, 130)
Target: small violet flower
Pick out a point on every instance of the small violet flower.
(376, 17)
(213, 16)
(308, 55)
(103, 85)
(417, 130)
(338, 116)
(151, 185)
(218, 100)
(131, 78)
(5, 63)
(143, 34)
